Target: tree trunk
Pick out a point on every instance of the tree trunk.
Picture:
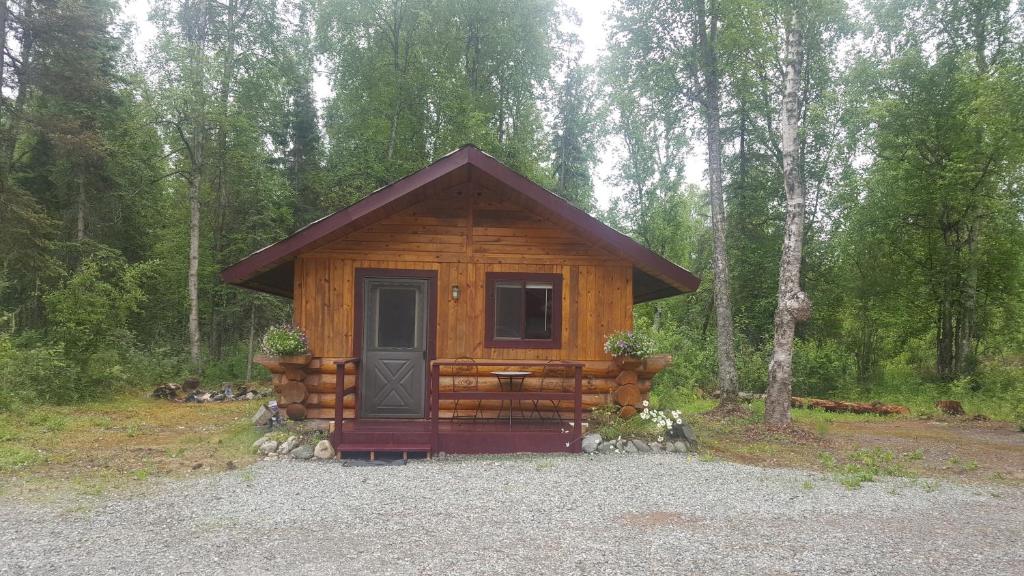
(728, 383)
(80, 224)
(793, 304)
(193, 269)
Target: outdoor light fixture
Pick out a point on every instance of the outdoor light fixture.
(455, 292)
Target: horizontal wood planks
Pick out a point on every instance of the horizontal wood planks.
(463, 233)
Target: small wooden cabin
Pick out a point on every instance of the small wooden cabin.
(414, 297)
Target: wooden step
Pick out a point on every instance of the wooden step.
(375, 447)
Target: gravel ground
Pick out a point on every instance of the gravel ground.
(650, 514)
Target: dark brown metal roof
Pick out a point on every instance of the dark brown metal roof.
(271, 269)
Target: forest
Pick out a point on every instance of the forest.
(129, 178)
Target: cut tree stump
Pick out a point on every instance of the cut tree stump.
(626, 377)
(293, 391)
(852, 407)
(295, 411)
(628, 395)
(950, 407)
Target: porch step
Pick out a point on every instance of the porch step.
(373, 449)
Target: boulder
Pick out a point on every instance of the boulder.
(630, 448)
(262, 416)
(323, 450)
(670, 446)
(688, 434)
(591, 442)
(259, 441)
(268, 447)
(606, 447)
(641, 446)
(681, 447)
(303, 452)
(288, 445)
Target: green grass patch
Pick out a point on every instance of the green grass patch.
(864, 465)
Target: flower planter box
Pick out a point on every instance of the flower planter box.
(277, 364)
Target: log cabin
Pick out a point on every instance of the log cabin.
(463, 308)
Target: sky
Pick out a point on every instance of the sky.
(592, 32)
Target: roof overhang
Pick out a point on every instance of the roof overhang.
(271, 269)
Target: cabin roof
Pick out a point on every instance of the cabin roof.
(271, 269)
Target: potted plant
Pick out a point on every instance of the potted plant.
(287, 344)
(629, 348)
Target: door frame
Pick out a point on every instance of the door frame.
(431, 329)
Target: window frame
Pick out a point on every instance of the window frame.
(493, 278)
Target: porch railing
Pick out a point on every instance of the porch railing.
(576, 396)
(339, 396)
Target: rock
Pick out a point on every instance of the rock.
(249, 396)
(591, 442)
(288, 445)
(656, 447)
(620, 443)
(688, 434)
(268, 447)
(630, 448)
(323, 450)
(259, 441)
(670, 446)
(641, 446)
(681, 447)
(303, 452)
(262, 416)
(606, 447)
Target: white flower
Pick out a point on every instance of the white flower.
(646, 403)
(644, 415)
(679, 420)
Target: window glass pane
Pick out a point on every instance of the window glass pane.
(508, 310)
(396, 317)
(538, 311)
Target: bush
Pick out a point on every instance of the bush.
(32, 374)
(285, 340)
(821, 368)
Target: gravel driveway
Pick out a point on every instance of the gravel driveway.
(645, 514)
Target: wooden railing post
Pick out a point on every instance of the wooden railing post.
(339, 397)
(577, 416)
(435, 406)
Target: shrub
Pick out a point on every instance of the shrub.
(285, 340)
(32, 374)
(635, 343)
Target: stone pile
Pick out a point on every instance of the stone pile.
(293, 447)
(176, 393)
(682, 440)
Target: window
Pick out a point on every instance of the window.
(524, 310)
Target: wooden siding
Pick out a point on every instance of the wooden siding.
(463, 233)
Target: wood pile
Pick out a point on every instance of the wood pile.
(852, 407)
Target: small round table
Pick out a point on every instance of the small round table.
(510, 381)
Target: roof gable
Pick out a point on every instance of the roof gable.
(269, 269)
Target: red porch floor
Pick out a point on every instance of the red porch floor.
(457, 436)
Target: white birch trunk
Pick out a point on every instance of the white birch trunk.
(793, 305)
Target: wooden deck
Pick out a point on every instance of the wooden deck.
(456, 436)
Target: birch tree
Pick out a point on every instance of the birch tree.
(793, 304)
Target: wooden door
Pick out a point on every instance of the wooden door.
(392, 379)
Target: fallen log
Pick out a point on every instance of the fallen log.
(852, 407)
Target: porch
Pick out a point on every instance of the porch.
(488, 409)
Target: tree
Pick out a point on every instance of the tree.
(573, 143)
(794, 305)
(674, 46)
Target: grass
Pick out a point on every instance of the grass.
(864, 465)
(119, 443)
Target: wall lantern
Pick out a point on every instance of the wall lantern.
(456, 292)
